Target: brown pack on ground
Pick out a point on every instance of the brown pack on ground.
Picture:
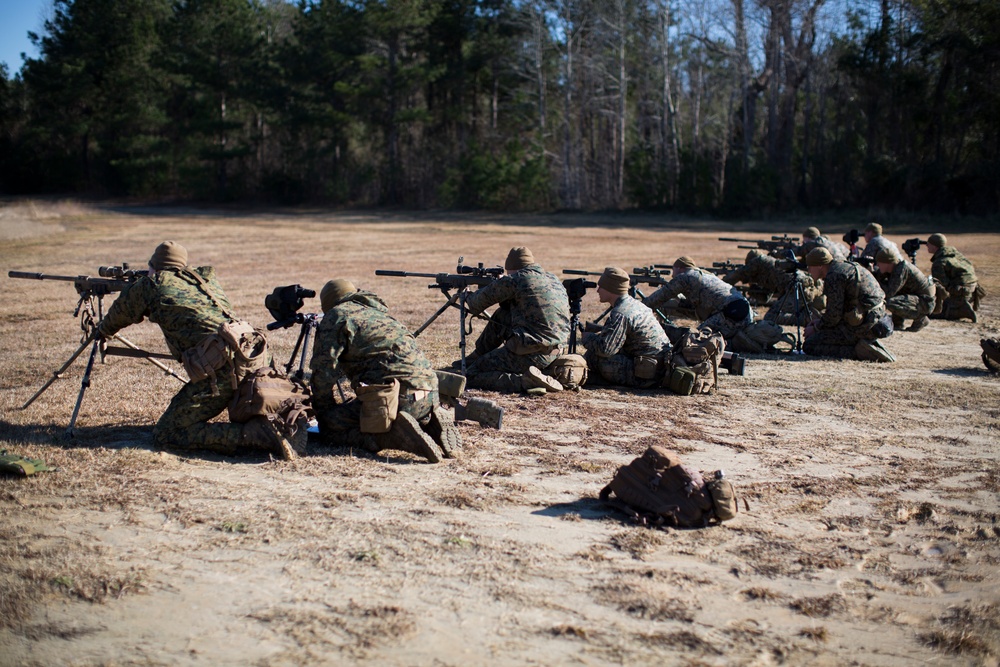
(570, 369)
(991, 353)
(659, 490)
(700, 352)
(268, 393)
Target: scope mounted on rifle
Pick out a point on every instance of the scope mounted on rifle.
(122, 272)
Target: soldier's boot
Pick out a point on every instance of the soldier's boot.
(919, 323)
(407, 436)
(450, 385)
(872, 350)
(487, 413)
(272, 436)
(965, 309)
(441, 427)
(897, 322)
(535, 379)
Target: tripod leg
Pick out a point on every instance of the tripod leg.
(166, 369)
(84, 384)
(57, 374)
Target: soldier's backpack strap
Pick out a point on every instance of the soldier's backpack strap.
(202, 285)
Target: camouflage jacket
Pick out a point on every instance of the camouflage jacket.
(538, 302)
(878, 243)
(706, 291)
(838, 250)
(951, 268)
(850, 287)
(763, 271)
(905, 279)
(358, 337)
(631, 330)
(176, 300)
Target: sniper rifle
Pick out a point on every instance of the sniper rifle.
(777, 244)
(90, 310)
(458, 282)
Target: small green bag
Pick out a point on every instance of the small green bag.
(12, 464)
(681, 380)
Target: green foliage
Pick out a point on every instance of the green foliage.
(506, 180)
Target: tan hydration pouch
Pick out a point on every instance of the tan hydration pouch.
(379, 406)
(204, 359)
(248, 345)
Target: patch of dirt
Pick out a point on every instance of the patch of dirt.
(872, 536)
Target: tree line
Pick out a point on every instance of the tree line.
(728, 107)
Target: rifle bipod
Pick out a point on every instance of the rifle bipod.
(97, 345)
(797, 293)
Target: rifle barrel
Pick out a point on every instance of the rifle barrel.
(43, 276)
(732, 240)
(404, 274)
(579, 272)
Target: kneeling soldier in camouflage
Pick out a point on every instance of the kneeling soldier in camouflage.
(953, 270)
(398, 405)
(855, 316)
(525, 334)
(190, 306)
(909, 294)
(632, 349)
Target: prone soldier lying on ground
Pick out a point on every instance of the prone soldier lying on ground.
(909, 294)
(958, 277)
(775, 277)
(855, 316)
(720, 306)
(811, 238)
(397, 404)
(191, 308)
(526, 333)
(631, 349)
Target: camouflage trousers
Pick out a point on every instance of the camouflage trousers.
(185, 423)
(837, 342)
(960, 298)
(909, 306)
(618, 370)
(339, 425)
(496, 368)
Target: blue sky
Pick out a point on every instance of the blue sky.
(17, 17)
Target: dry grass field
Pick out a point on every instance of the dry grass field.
(872, 536)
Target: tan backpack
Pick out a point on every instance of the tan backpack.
(694, 368)
(267, 392)
(657, 489)
(570, 369)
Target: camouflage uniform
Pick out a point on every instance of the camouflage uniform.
(709, 294)
(838, 250)
(879, 243)
(176, 300)
(855, 310)
(763, 272)
(909, 294)
(631, 331)
(358, 338)
(530, 327)
(951, 268)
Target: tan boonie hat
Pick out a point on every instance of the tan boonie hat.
(517, 259)
(169, 255)
(819, 257)
(685, 261)
(887, 256)
(874, 227)
(614, 280)
(334, 291)
(811, 233)
(937, 240)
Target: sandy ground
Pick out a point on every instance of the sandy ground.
(872, 535)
